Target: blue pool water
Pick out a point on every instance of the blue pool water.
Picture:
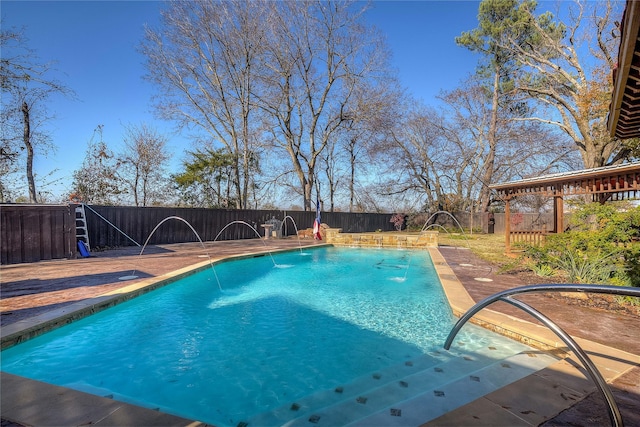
(281, 328)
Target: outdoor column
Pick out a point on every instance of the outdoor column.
(507, 226)
(558, 214)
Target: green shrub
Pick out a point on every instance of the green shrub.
(601, 246)
(542, 270)
(632, 264)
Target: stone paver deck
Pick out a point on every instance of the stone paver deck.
(38, 292)
(560, 395)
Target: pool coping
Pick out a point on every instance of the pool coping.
(564, 378)
(534, 335)
(33, 402)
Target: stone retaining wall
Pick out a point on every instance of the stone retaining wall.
(427, 239)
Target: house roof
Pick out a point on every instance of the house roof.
(624, 112)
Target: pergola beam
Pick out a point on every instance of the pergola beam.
(602, 184)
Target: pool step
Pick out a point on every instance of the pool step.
(324, 398)
(397, 393)
(440, 399)
(434, 361)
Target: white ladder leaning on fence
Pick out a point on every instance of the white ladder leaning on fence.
(81, 226)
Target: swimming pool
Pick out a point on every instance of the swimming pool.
(283, 338)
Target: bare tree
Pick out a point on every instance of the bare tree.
(203, 60)
(376, 113)
(415, 150)
(9, 152)
(319, 53)
(518, 148)
(442, 156)
(352, 152)
(141, 164)
(97, 181)
(256, 73)
(26, 88)
(331, 167)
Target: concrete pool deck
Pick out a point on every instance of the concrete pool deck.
(33, 294)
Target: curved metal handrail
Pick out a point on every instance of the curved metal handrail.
(592, 370)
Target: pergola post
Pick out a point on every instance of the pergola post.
(507, 226)
(558, 213)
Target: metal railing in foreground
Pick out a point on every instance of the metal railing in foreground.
(592, 370)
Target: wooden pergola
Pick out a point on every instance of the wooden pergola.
(617, 182)
(601, 184)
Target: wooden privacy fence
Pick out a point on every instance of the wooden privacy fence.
(138, 223)
(30, 233)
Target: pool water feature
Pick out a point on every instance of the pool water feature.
(331, 338)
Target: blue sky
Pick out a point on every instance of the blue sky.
(94, 46)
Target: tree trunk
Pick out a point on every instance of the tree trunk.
(307, 187)
(26, 139)
(352, 178)
(136, 180)
(487, 176)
